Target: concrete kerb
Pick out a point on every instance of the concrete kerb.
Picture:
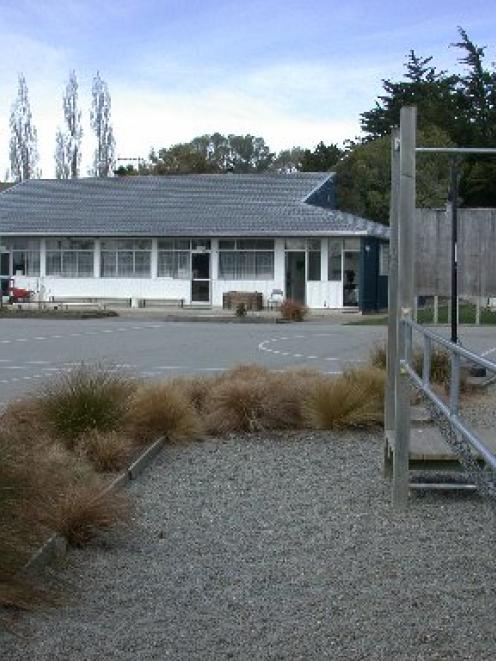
(55, 548)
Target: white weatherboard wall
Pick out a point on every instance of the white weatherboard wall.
(319, 294)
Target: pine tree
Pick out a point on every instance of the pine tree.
(24, 156)
(104, 160)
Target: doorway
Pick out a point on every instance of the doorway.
(351, 284)
(4, 273)
(200, 277)
(295, 276)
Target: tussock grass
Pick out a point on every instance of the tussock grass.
(106, 451)
(352, 400)
(82, 511)
(252, 398)
(88, 397)
(162, 409)
(378, 355)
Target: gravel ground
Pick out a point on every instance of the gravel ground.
(283, 547)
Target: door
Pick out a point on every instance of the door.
(351, 285)
(4, 272)
(295, 276)
(200, 277)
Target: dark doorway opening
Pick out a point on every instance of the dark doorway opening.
(295, 276)
(200, 277)
(351, 284)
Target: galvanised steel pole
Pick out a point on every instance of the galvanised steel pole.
(454, 249)
(392, 337)
(406, 242)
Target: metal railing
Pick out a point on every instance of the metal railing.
(450, 410)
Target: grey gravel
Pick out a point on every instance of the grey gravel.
(277, 547)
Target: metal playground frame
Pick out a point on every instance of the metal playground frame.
(401, 374)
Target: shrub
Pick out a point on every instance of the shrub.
(162, 409)
(345, 401)
(292, 310)
(241, 310)
(107, 451)
(88, 397)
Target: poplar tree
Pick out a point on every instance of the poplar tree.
(24, 157)
(68, 143)
(104, 159)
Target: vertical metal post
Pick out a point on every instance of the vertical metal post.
(392, 336)
(454, 250)
(436, 309)
(406, 241)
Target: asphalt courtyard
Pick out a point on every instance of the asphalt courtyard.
(32, 350)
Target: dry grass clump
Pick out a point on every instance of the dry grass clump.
(352, 400)
(252, 398)
(107, 451)
(162, 409)
(86, 398)
(83, 511)
(378, 355)
(44, 488)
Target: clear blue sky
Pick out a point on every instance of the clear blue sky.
(295, 72)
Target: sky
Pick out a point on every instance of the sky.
(292, 71)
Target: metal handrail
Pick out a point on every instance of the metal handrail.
(451, 411)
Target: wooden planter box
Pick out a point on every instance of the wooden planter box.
(252, 300)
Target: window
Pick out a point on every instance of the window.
(25, 256)
(246, 259)
(352, 244)
(70, 258)
(335, 259)
(174, 258)
(313, 246)
(384, 259)
(126, 258)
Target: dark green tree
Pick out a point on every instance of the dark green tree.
(432, 91)
(363, 176)
(322, 159)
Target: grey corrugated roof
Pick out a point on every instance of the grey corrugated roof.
(183, 205)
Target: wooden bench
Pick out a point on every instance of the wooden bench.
(162, 302)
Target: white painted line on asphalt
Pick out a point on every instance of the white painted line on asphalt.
(39, 337)
(107, 330)
(13, 367)
(21, 339)
(489, 351)
(38, 376)
(312, 357)
(26, 378)
(38, 362)
(74, 334)
(297, 355)
(5, 341)
(56, 337)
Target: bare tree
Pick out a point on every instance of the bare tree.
(104, 160)
(24, 156)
